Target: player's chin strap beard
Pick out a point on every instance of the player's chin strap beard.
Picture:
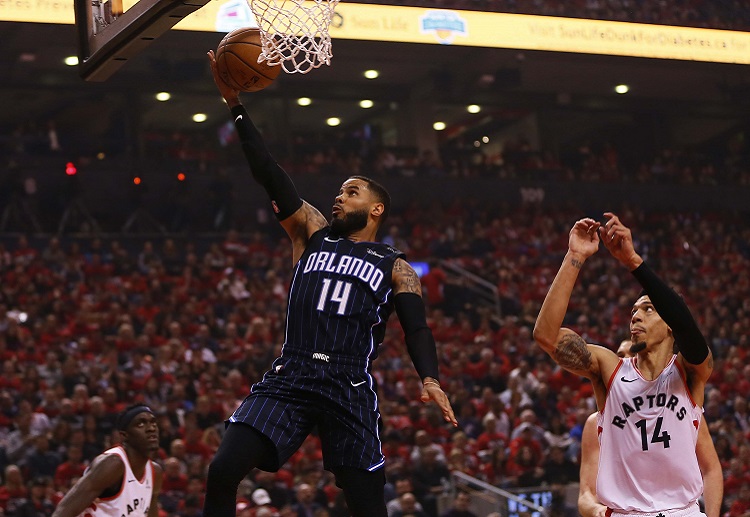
(637, 347)
(347, 224)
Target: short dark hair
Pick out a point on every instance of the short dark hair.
(381, 194)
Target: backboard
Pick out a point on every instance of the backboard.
(109, 36)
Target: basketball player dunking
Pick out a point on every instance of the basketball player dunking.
(122, 480)
(650, 406)
(343, 289)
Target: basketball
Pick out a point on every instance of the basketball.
(237, 61)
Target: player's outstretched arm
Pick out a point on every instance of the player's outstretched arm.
(566, 347)
(299, 219)
(693, 347)
(588, 505)
(105, 471)
(420, 342)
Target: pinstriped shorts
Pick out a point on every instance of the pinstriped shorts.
(298, 394)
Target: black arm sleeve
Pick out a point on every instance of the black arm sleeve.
(265, 169)
(419, 340)
(673, 310)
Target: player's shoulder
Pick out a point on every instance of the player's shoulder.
(108, 462)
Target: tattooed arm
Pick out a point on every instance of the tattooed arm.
(419, 340)
(566, 347)
(405, 279)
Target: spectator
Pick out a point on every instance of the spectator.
(305, 505)
(41, 461)
(13, 490)
(70, 469)
(460, 507)
(408, 507)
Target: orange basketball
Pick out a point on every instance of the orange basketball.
(237, 61)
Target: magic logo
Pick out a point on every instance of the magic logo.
(444, 24)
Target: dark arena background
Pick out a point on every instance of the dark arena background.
(139, 261)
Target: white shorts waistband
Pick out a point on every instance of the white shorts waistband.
(689, 510)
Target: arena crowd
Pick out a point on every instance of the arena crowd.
(88, 326)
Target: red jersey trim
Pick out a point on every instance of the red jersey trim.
(610, 381)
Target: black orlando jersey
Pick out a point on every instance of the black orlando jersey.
(340, 299)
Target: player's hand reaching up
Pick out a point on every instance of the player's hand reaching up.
(618, 239)
(230, 95)
(431, 390)
(584, 239)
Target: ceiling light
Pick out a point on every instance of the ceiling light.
(199, 117)
(473, 108)
(485, 139)
(304, 101)
(333, 121)
(366, 104)
(372, 74)
(71, 60)
(438, 126)
(622, 89)
(163, 96)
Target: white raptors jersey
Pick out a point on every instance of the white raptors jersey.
(647, 433)
(134, 497)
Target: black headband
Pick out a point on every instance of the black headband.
(125, 418)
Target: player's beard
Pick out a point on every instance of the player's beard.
(349, 223)
(638, 346)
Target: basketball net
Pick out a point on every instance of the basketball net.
(294, 33)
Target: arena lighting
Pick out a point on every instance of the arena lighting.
(199, 117)
(163, 96)
(366, 104)
(304, 101)
(180, 176)
(371, 74)
(333, 121)
(71, 60)
(473, 108)
(136, 180)
(485, 139)
(622, 89)
(438, 126)
(70, 169)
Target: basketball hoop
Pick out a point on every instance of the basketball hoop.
(294, 33)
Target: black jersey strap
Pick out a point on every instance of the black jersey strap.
(674, 311)
(265, 169)
(420, 342)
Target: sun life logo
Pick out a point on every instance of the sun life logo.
(444, 24)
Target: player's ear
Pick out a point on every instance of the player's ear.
(377, 209)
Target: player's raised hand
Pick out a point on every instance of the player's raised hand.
(230, 95)
(583, 238)
(431, 390)
(618, 239)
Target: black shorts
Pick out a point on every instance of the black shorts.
(299, 393)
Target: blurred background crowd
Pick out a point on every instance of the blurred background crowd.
(90, 325)
(174, 295)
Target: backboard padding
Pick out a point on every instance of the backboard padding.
(102, 53)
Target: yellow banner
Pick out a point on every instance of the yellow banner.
(448, 27)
